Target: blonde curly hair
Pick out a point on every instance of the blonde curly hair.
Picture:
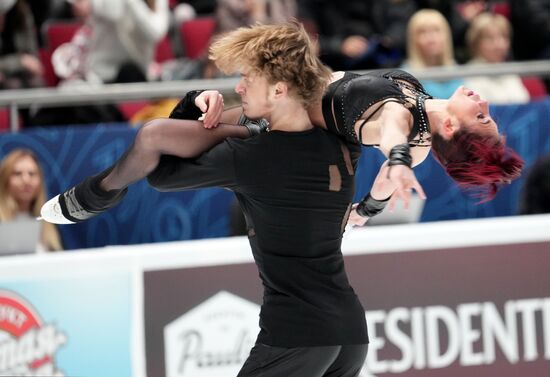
(280, 53)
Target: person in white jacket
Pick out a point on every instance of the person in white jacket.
(124, 38)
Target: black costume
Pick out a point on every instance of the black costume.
(351, 96)
(296, 200)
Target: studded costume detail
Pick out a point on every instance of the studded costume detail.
(350, 97)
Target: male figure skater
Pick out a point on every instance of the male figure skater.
(295, 185)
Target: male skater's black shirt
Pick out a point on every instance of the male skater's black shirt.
(295, 189)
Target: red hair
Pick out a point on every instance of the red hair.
(479, 162)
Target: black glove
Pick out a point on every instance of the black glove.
(186, 108)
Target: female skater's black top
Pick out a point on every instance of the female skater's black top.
(351, 96)
(296, 201)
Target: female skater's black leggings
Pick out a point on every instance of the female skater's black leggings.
(181, 138)
(328, 361)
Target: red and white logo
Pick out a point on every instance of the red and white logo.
(27, 344)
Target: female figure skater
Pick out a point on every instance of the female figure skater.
(388, 109)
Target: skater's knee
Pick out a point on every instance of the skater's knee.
(147, 136)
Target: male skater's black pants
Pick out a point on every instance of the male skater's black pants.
(328, 361)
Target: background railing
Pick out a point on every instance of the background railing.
(97, 94)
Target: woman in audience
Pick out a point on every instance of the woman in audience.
(430, 44)
(22, 194)
(488, 39)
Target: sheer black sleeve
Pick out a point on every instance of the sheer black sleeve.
(214, 168)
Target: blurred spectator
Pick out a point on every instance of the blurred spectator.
(531, 23)
(124, 37)
(535, 196)
(61, 10)
(42, 12)
(201, 7)
(20, 66)
(488, 40)
(116, 44)
(182, 12)
(430, 44)
(70, 62)
(359, 34)
(461, 14)
(80, 9)
(70, 10)
(22, 194)
(232, 14)
(69, 59)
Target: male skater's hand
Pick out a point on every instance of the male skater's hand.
(210, 102)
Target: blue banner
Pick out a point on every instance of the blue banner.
(70, 154)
